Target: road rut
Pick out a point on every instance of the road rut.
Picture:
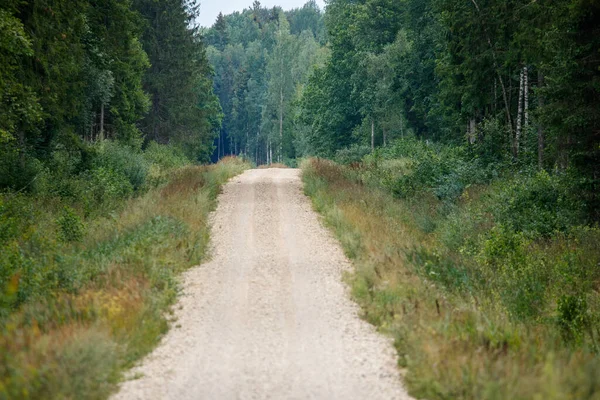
(268, 317)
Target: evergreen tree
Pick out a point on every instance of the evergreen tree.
(178, 81)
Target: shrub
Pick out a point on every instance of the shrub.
(537, 204)
(105, 185)
(443, 170)
(165, 156)
(71, 227)
(352, 154)
(572, 316)
(492, 144)
(123, 159)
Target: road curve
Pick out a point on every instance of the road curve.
(268, 317)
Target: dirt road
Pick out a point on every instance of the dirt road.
(268, 317)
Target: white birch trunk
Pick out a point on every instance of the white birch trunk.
(270, 153)
(541, 144)
(519, 116)
(526, 97)
(281, 107)
(471, 130)
(372, 135)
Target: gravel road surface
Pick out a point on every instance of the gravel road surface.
(269, 316)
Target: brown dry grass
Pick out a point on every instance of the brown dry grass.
(453, 346)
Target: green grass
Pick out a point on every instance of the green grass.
(85, 297)
(478, 309)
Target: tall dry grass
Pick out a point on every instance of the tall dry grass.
(74, 341)
(453, 341)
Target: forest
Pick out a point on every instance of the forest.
(451, 146)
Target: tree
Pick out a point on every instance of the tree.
(183, 107)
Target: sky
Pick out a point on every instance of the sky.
(209, 9)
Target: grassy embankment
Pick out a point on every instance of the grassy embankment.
(489, 285)
(86, 281)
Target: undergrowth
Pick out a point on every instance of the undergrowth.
(488, 279)
(89, 264)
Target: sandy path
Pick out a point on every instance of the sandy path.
(268, 317)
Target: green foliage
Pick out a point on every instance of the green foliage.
(537, 204)
(75, 73)
(70, 226)
(573, 316)
(352, 154)
(122, 160)
(165, 157)
(445, 171)
(476, 73)
(262, 59)
(184, 110)
(105, 186)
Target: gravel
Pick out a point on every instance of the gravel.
(268, 317)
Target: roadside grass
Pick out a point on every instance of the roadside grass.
(95, 304)
(476, 311)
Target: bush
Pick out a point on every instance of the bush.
(492, 144)
(165, 157)
(71, 227)
(122, 159)
(352, 154)
(445, 171)
(105, 185)
(572, 316)
(537, 204)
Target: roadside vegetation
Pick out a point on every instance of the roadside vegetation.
(486, 275)
(89, 263)
(106, 109)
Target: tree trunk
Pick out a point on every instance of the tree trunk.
(270, 153)
(247, 147)
(471, 131)
(256, 147)
(526, 97)
(372, 134)
(384, 138)
(517, 139)
(101, 122)
(495, 96)
(281, 121)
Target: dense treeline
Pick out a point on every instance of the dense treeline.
(72, 73)
(516, 81)
(262, 59)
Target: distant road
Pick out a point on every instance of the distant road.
(268, 317)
